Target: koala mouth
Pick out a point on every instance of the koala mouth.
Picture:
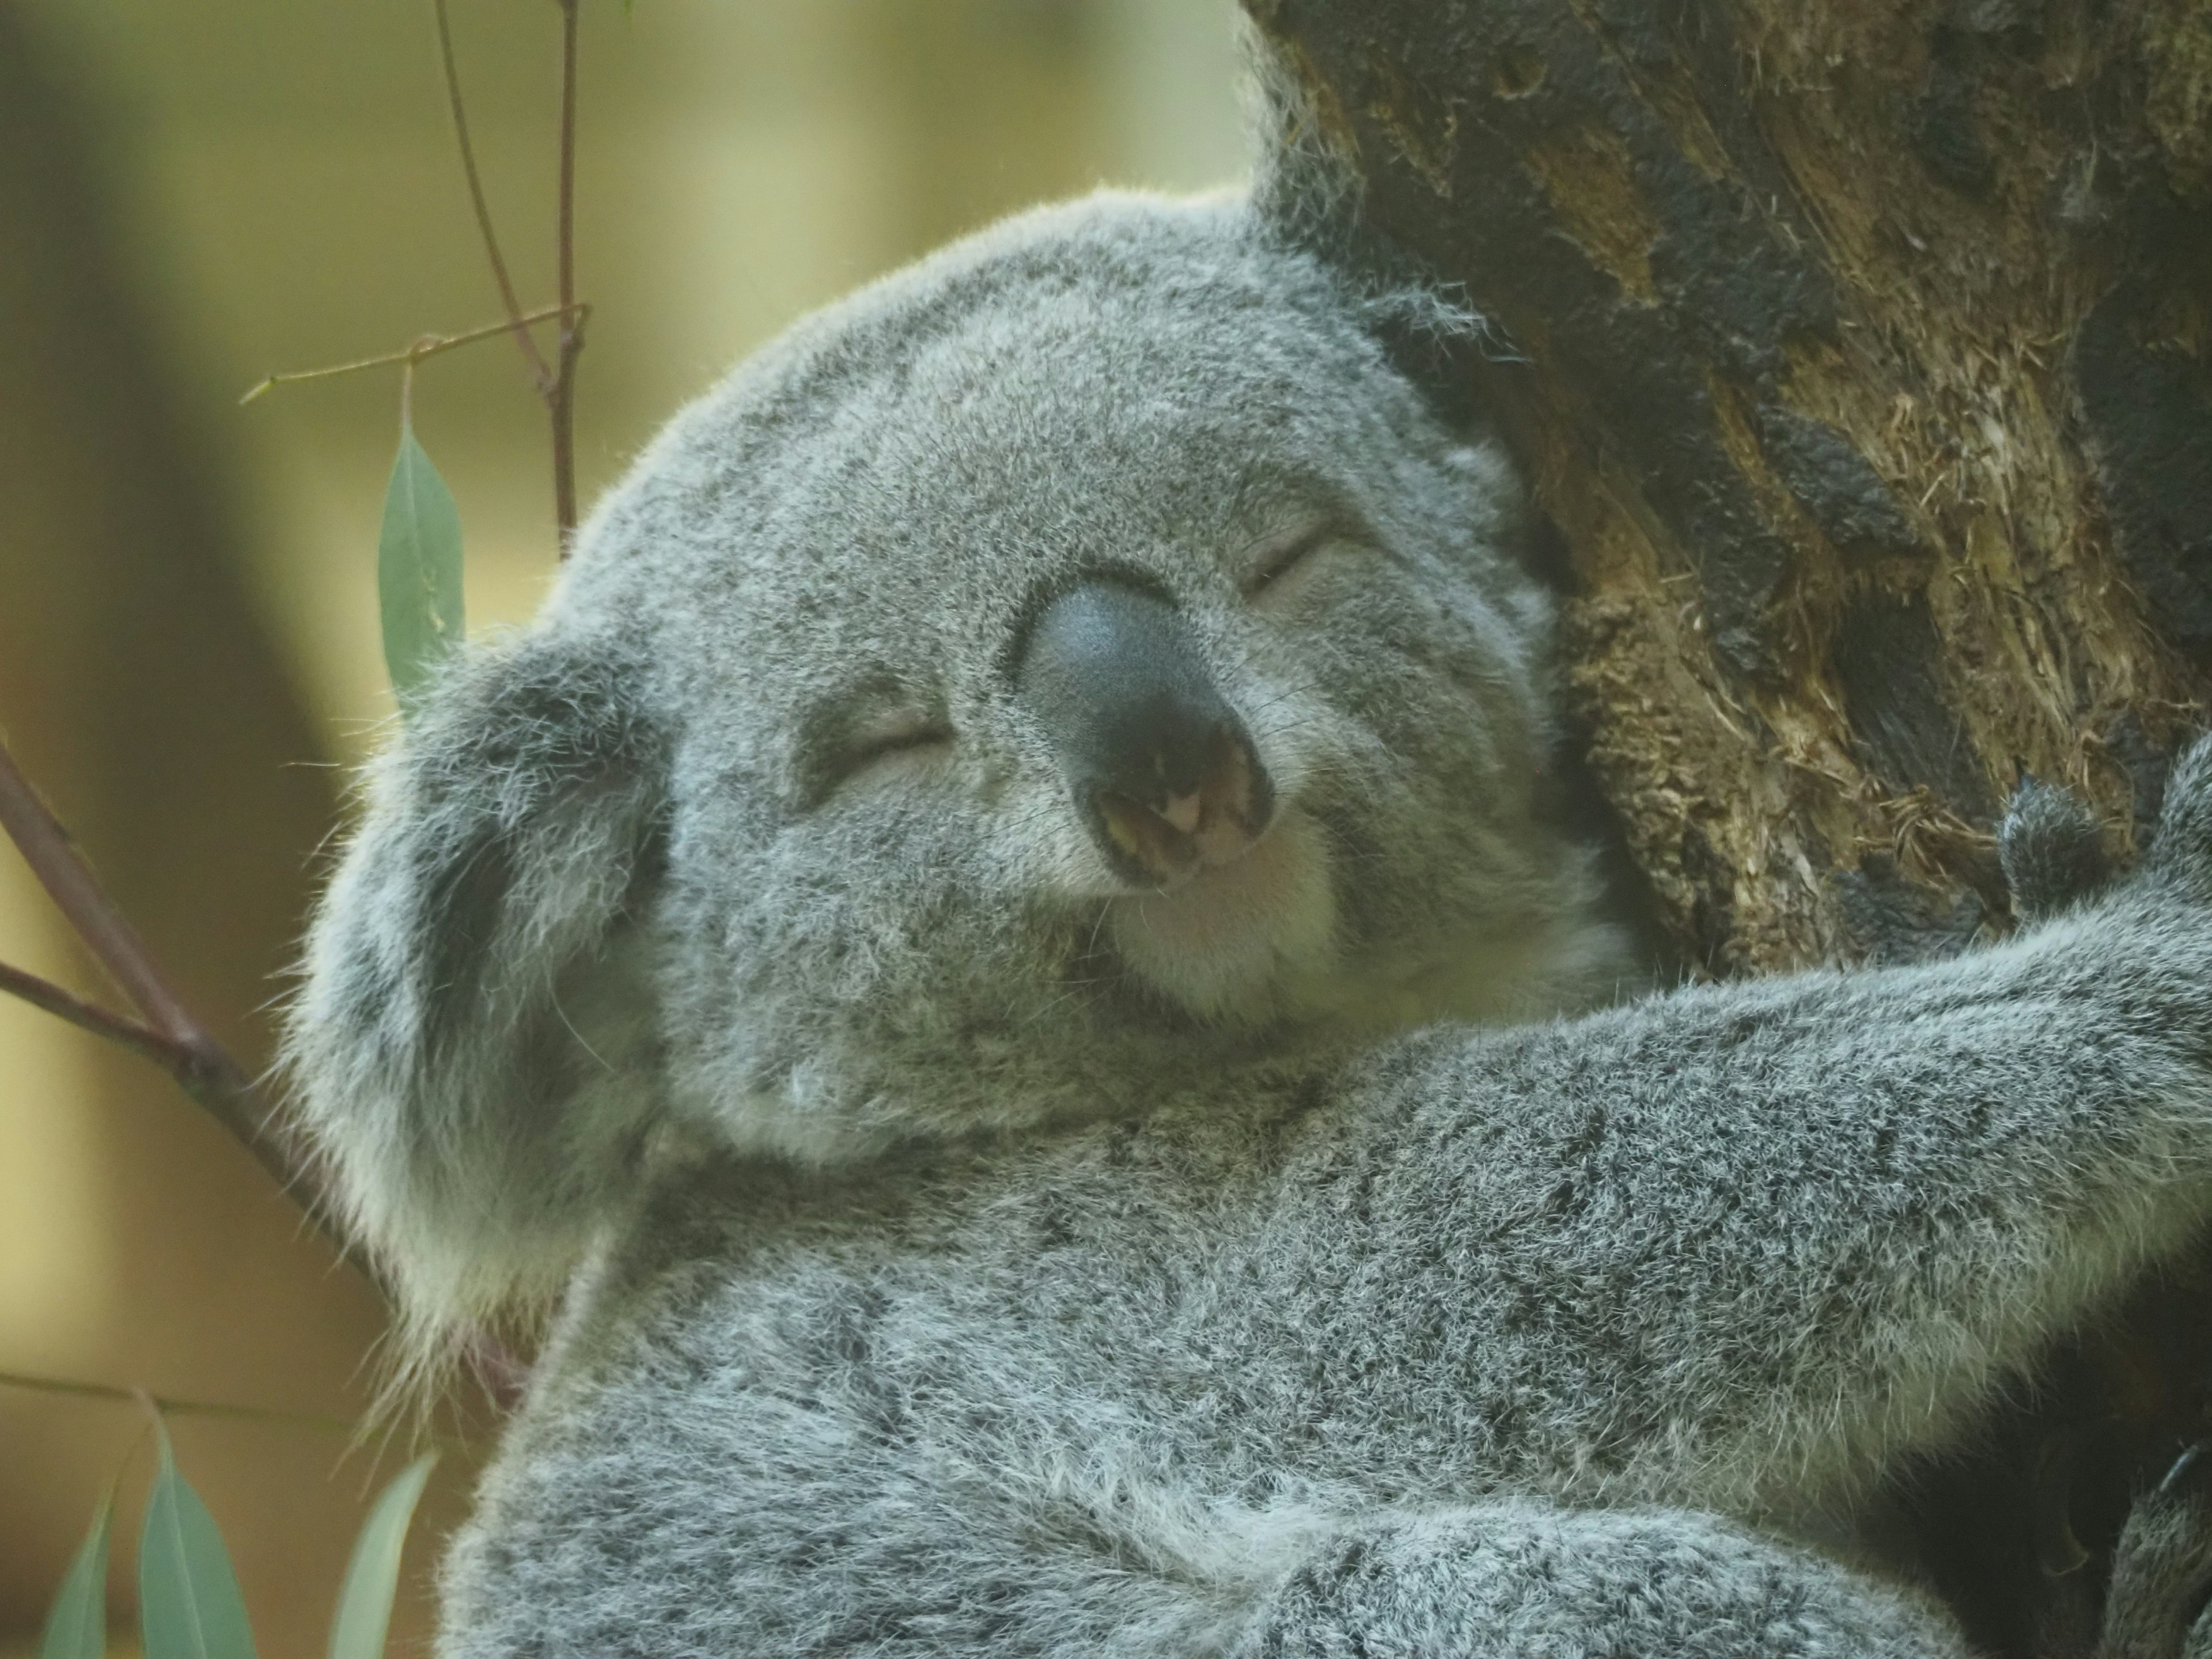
(1231, 932)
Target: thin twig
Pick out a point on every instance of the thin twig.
(516, 322)
(140, 1039)
(190, 1053)
(172, 1406)
(562, 401)
(62, 871)
(429, 346)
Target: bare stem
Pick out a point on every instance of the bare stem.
(563, 400)
(176, 1042)
(172, 1038)
(140, 1039)
(517, 323)
(62, 871)
(429, 346)
(171, 1405)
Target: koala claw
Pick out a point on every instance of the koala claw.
(2162, 1569)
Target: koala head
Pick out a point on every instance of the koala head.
(1074, 668)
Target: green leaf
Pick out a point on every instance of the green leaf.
(373, 1575)
(76, 1626)
(418, 568)
(189, 1607)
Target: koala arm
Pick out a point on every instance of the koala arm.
(1520, 1577)
(1741, 1243)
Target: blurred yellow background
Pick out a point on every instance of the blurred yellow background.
(191, 196)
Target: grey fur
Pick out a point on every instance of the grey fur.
(2162, 1570)
(972, 1264)
(2052, 851)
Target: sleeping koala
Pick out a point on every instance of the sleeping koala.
(1001, 945)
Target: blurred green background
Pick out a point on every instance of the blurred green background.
(194, 195)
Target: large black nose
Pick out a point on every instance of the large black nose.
(1160, 767)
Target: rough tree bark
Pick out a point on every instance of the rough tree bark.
(1861, 351)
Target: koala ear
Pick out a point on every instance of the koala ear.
(474, 1049)
(1308, 193)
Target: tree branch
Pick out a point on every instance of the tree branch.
(176, 1042)
(172, 1038)
(172, 1406)
(141, 1039)
(516, 322)
(62, 871)
(563, 400)
(429, 346)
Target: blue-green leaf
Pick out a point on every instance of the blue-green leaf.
(418, 568)
(76, 1626)
(189, 1607)
(364, 1608)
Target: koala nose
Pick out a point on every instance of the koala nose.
(1162, 771)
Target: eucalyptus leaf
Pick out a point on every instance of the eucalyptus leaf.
(189, 1607)
(364, 1609)
(418, 568)
(76, 1624)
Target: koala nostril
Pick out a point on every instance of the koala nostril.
(1233, 801)
(1216, 818)
(1147, 840)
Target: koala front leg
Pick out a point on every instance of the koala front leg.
(1740, 1248)
(1521, 1579)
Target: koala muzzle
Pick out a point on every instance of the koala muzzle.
(1161, 769)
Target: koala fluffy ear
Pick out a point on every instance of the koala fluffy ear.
(1307, 193)
(474, 1050)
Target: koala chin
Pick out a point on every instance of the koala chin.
(1229, 941)
(999, 950)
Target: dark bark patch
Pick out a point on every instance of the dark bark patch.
(1946, 135)
(1892, 919)
(1843, 495)
(2148, 406)
(1712, 917)
(2145, 761)
(1888, 658)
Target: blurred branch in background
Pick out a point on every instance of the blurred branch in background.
(172, 1038)
(430, 345)
(563, 400)
(540, 373)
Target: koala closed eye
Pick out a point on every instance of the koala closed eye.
(1281, 567)
(839, 748)
(899, 744)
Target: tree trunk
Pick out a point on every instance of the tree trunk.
(1861, 351)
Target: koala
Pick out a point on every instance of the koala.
(1005, 951)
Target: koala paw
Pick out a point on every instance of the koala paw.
(2162, 1569)
(2052, 853)
(2181, 849)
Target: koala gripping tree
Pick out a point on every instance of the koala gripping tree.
(1862, 356)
